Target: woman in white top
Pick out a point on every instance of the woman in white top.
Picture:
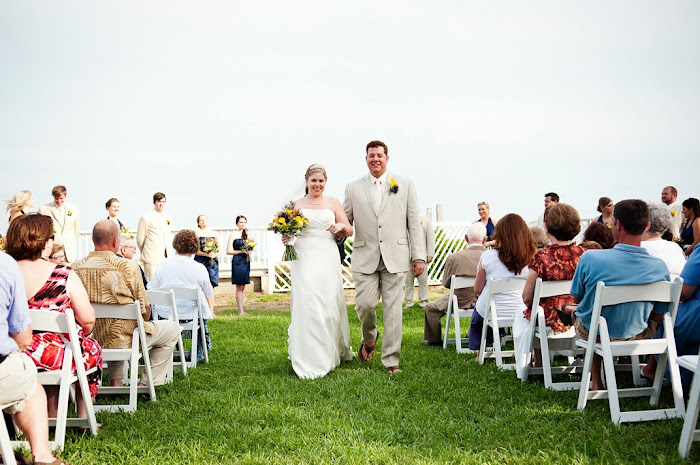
(669, 252)
(182, 271)
(514, 248)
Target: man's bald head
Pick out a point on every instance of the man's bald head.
(105, 236)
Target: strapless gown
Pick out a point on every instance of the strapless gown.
(319, 334)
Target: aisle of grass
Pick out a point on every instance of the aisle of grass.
(247, 406)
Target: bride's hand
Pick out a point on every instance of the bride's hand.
(336, 228)
(286, 239)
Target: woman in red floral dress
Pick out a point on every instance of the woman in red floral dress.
(53, 287)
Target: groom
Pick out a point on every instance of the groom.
(384, 209)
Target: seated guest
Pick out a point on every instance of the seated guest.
(20, 204)
(127, 249)
(513, 251)
(669, 252)
(601, 234)
(19, 388)
(556, 262)
(540, 236)
(113, 280)
(588, 245)
(182, 271)
(53, 288)
(627, 263)
(687, 326)
(462, 263)
(690, 234)
(58, 254)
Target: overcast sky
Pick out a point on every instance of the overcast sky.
(223, 104)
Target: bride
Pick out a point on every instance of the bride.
(319, 334)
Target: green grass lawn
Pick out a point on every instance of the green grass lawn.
(247, 406)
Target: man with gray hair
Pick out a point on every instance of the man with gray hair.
(660, 221)
(127, 249)
(462, 263)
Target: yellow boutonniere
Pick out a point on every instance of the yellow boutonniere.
(673, 212)
(393, 186)
(168, 221)
(70, 212)
(54, 229)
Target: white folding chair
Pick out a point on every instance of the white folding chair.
(6, 448)
(456, 313)
(167, 298)
(690, 433)
(538, 330)
(498, 319)
(139, 348)
(664, 348)
(196, 325)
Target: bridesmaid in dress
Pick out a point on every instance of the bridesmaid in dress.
(114, 207)
(240, 266)
(208, 259)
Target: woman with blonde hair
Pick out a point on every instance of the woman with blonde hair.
(485, 219)
(20, 203)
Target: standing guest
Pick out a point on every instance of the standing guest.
(210, 259)
(690, 234)
(58, 255)
(20, 204)
(598, 232)
(113, 207)
(627, 263)
(485, 219)
(556, 262)
(605, 207)
(127, 249)
(240, 263)
(383, 207)
(153, 235)
(514, 249)
(113, 280)
(669, 196)
(20, 389)
(66, 221)
(462, 263)
(429, 237)
(549, 199)
(660, 220)
(181, 271)
(55, 288)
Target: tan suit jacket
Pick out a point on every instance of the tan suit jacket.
(463, 263)
(153, 237)
(428, 237)
(384, 233)
(66, 225)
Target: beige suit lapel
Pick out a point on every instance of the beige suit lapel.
(55, 212)
(368, 191)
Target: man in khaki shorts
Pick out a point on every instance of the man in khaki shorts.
(20, 393)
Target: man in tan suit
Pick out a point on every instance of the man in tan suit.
(462, 263)
(66, 222)
(429, 238)
(154, 235)
(384, 210)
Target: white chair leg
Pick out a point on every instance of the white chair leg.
(8, 454)
(458, 334)
(447, 326)
(691, 419)
(195, 336)
(203, 335)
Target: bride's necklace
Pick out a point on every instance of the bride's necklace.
(312, 203)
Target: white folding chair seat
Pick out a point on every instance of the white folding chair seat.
(167, 298)
(196, 325)
(664, 348)
(690, 433)
(456, 313)
(538, 330)
(139, 349)
(499, 319)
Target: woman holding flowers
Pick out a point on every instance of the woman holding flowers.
(240, 263)
(208, 249)
(114, 207)
(319, 333)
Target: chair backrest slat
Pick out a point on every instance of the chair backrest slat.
(506, 284)
(656, 292)
(50, 321)
(123, 311)
(460, 282)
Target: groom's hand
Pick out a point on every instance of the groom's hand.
(417, 268)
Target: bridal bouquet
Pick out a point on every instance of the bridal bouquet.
(291, 222)
(248, 246)
(212, 245)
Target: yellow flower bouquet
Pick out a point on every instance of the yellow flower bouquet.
(248, 246)
(291, 222)
(212, 245)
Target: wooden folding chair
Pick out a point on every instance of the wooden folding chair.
(139, 348)
(196, 325)
(664, 348)
(167, 298)
(690, 433)
(498, 319)
(538, 330)
(456, 313)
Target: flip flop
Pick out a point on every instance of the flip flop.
(55, 462)
(368, 351)
(394, 370)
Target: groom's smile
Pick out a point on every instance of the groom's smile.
(377, 161)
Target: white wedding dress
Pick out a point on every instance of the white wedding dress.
(319, 334)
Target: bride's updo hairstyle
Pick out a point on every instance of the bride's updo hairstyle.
(315, 168)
